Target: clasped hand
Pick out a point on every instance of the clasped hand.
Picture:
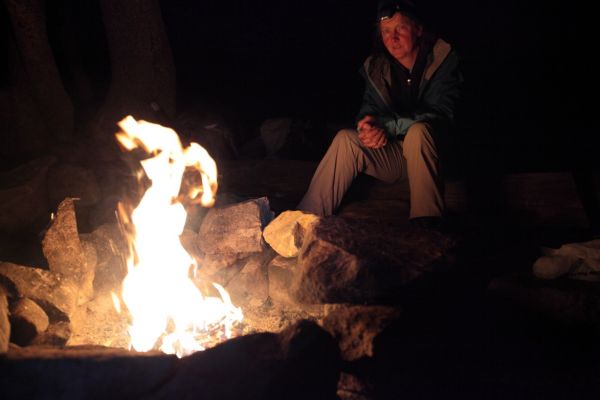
(370, 134)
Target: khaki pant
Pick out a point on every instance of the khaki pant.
(416, 158)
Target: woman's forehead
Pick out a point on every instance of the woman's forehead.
(396, 19)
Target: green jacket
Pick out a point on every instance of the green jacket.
(438, 94)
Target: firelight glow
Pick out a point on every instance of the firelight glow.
(168, 311)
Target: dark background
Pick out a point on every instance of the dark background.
(256, 59)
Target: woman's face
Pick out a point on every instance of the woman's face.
(400, 35)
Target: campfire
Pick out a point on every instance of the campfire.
(167, 309)
(160, 279)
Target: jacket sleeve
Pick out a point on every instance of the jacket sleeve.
(371, 104)
(438, 103)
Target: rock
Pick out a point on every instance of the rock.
(313, 362)
(112, 251)
(27, 320)
(575, 260)
(70, 181)
(354, 263)
(250, 287)
(66, 254)
(284, 180)
(4, 322)
(567, 302)
(547, 267)
(301, 362)
(23, 195)
(57, 334)
(351, 387)
(355, 327)
(98, 323)
(281, 272)
(285, 233)
(210, 130)
(217, 267)
(56, 295)
(235, 229)
(221, 269)
(188, 241)
(83, 373)
(274, 133)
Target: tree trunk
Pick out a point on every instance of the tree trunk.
(37, 85)
(141, 63)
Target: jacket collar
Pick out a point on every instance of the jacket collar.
(377, 69)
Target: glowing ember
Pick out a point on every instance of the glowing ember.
(167, 309)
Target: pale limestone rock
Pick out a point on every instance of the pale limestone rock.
(284, 234)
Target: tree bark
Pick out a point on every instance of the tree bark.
(44, 85)
(141, 63)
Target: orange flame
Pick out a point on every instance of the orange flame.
(167, 309)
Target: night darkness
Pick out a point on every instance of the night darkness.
(471, 309)
(257, 59)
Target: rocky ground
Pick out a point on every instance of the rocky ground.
(480, 326)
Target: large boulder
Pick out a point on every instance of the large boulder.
(342, 262)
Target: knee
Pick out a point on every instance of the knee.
(346, 137)
(418, 136)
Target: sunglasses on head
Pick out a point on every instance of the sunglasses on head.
(387, 11)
